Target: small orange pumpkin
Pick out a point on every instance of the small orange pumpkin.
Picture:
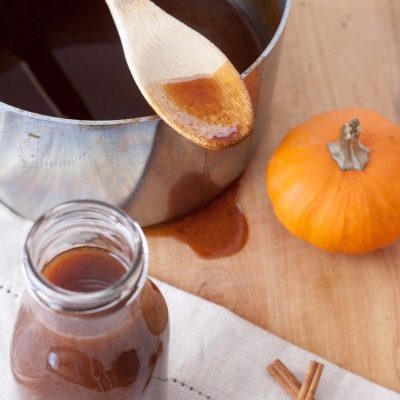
(331, 190)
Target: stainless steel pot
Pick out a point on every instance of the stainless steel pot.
(138, 164)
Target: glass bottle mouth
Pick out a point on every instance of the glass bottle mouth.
(91, 224)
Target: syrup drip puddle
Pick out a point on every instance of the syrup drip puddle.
(217, 230)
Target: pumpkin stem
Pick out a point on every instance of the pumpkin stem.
(348, 152)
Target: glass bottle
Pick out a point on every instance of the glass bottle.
(110, 343)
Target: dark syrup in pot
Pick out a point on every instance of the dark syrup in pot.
(64, 58)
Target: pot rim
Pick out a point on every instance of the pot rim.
(272, 43)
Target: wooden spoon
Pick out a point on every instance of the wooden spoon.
(187, 80)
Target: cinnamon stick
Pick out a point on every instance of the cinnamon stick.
(285, 382)
(291, 385)
(311, 380)
(290, 379)
(315, 382)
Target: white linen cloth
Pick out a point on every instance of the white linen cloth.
(214, 355)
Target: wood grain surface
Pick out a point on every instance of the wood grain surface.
(341, 53)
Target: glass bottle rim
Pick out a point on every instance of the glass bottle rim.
(125, 288)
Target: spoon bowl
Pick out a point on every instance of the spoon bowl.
(187, 80)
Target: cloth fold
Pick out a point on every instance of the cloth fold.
(214, 354)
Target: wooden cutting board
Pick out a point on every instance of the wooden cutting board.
(342, 53)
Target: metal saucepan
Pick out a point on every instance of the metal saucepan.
(139, 164)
